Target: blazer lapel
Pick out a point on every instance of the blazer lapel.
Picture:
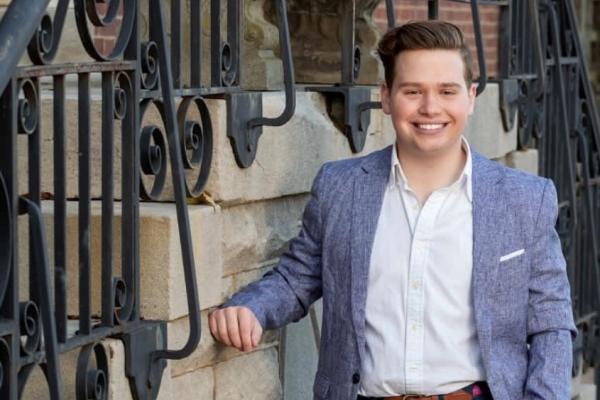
(369, 188)
(487, 232)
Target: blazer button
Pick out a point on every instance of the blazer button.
(356, 378)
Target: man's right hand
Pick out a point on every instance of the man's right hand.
(235, 326)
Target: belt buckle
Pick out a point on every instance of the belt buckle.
(410, 396)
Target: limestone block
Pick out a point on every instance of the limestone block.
(46, 156)
(209, 352)
(162, 280)
(584, 392)
(118, 384)
(258, 232)
(251, 377)
(195, 385)
(288, 157)
(484, 131)
(525, 160)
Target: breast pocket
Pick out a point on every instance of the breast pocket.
(511, 288)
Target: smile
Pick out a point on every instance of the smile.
(430, 126)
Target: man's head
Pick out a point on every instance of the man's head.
(423, 35)
(428, 91)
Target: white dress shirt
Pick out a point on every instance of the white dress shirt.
(420, 327)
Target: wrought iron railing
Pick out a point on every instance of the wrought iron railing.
(137, 74)
(544, 89)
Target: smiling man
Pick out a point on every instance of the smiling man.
(441, 273)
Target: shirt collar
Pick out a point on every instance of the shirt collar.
(397, 176)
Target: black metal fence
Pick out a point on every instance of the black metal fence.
(544, 89)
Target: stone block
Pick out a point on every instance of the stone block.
(162, 280)
(46, 156)
(250, 377)
(118, 384)
(195, 385)
(485, 131)
(289, 156)
(258, 232)
(524, 160)
(209, 352)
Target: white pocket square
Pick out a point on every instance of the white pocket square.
(512, 255)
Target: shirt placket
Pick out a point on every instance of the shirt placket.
(423, 228)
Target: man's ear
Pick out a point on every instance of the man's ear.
(472, 96)
(385, 98)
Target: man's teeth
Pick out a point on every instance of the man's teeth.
(430, 126)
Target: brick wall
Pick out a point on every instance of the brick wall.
(458, 13)
(104, 37)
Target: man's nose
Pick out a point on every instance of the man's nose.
(430, 104)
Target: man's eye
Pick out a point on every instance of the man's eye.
(448, 92)
(411, 92)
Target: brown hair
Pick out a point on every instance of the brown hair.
(423, 35)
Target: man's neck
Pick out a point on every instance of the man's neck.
(427, 174)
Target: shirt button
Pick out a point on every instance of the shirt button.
(416, 285)
(356, 378)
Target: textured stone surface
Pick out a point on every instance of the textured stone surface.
(71, 148)
(288, 157)
(484, 131)
(209, 352)
(525, 160)
(118, 387)
(250, 377)
(257, 232)
(162, 279)
(195, 385)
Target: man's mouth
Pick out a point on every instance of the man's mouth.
(430, 126)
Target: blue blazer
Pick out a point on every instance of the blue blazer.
(522, 306)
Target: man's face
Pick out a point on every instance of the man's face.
(429, 101)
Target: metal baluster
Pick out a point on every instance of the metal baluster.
(85, 287)
(196, 43)
(60, 210)
(108, 110)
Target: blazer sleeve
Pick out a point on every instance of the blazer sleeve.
(285, 293)
(550, 326)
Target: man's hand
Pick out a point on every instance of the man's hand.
(235, 326)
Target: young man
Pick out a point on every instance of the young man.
(440, 271)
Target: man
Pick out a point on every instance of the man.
(440, 271)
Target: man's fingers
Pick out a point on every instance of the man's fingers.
(231, 315)
(235, 326)
(246, 321)
(256, 334)
(222, 327)
(212, 324)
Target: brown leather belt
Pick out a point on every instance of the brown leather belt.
(460, 395)
(477, 390)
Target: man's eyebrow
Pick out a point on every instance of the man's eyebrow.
(417, 84)
(450, 84)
